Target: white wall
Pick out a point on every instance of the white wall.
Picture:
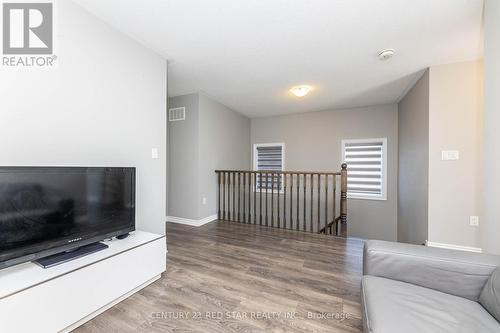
(455, 123)
(313, 143)
(211, 137)
(224, 143)
(183, 146)
(490, 221)
(443, 111)
(103, 105)
(413, 179)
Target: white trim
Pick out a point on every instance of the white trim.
(255, 145)
(385, 159)
(454, 247)
(254, 163)
(195, 223)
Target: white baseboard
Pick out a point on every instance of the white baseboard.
(195, 223)
(454, 247)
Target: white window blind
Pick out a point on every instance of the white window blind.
(366, 168)
(269, 157)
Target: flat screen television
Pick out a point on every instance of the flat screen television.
(49, 210)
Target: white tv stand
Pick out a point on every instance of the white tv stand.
(61, 298)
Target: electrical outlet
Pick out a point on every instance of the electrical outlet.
(450, 155)
(204, 201)
(474, 221)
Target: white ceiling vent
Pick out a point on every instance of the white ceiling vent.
(176, 114)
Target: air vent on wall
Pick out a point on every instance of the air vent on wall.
(176, 114)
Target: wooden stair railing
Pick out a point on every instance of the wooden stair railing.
(298, 200)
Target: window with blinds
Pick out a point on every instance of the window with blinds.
(366, 168)
(269, 157)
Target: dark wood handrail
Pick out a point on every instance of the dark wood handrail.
(299, 200)
(283, 172)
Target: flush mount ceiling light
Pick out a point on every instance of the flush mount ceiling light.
(301, 91)
(386, 54)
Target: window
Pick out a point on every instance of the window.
(366, 168)
(269, 157)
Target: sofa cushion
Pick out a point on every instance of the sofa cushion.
(490, 296)
(458, 273)
(392, 306)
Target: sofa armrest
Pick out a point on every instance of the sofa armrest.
(453, 272)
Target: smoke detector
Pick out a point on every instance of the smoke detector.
(386, 54)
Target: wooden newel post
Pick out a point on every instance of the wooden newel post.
(343, 195)
(219, 185)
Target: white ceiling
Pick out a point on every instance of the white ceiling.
(247, 53)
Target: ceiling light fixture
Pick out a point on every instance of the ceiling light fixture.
(301, 91)
(386, 54)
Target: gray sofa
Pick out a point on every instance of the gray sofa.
(410, 288)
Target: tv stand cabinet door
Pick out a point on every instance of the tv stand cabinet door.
(68, 301)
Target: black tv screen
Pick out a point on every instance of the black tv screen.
(46, 210)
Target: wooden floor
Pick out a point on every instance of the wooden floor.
(230, 277)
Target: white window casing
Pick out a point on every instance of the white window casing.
(366, 168)
(269, 157)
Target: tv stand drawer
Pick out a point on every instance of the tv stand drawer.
(81, 289)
